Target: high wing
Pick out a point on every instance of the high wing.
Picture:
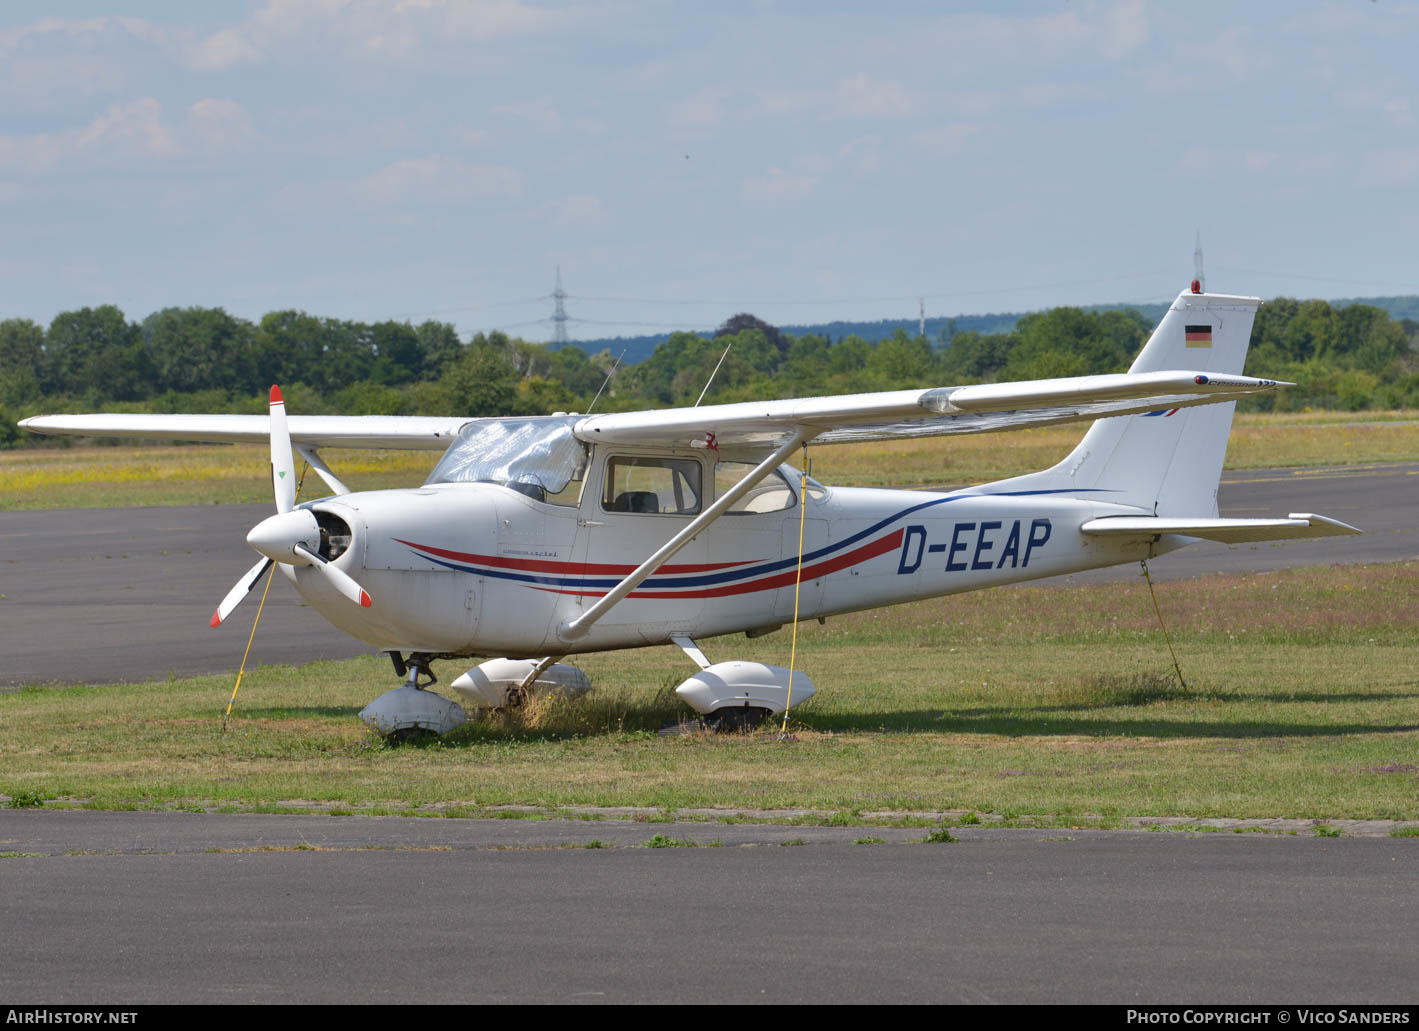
(397, 432)
(750, 426)
(1194, 357)
(758, 425)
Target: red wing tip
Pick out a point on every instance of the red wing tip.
(275, 394)
(217, 618)
(365, 600)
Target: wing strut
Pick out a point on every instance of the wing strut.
(577, 628)
(321, 469)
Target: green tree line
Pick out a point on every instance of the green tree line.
(204, 359)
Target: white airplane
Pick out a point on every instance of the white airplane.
(535, 539)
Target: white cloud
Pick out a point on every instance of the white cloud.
(134, 126)
(864, 97)
(857, 96)
(223, 50)
(946, 137)
(778, 185)
(990, 39)
(1393, 165)
(1200, 161)
(220, 123)
(702, 109)
(485, 19)
(863, 154)
(1258, 160)
(471, 137)
(370, 28)
(1232, 55)
(789, 102)
(581, 207)
(124, 130)
(1398, 110)
(539, 113)
(439, 179)
(1125, 29)
(32, 153)
(1273, 166)
(12, 38)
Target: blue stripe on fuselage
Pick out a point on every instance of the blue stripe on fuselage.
(749, 572)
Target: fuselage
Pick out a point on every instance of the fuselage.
(486, 569)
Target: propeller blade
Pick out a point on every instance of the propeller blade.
(283, 462)
(241, 590)
(338, 578)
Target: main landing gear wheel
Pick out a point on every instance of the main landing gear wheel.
(736, 719)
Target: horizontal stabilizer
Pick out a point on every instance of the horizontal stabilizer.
(1228, 531)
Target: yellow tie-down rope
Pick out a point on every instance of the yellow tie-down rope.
(270, 575)
(797, 586)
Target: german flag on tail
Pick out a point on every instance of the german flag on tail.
(1198, 336)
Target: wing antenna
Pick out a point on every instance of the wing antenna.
(609, 374)
(713, 374)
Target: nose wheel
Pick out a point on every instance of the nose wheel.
(411, 709)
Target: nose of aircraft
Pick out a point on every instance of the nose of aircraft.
(277, 536)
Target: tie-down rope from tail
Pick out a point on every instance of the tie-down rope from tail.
(1144, 564)
(270, 575)
(797, 586)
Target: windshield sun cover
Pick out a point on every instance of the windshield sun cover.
(543, 452)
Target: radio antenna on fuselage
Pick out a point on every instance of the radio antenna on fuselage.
(609, 374)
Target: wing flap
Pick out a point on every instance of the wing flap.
(999, 397)
(1228, 531)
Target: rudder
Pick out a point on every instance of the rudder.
(1167, 463)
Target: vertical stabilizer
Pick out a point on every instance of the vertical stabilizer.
(1165, 462)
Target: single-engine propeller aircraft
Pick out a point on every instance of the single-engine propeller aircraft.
(535, 539)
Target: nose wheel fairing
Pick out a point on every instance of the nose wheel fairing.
(410, 707)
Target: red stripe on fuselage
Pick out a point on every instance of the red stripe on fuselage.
(535, 565)
(832, 565)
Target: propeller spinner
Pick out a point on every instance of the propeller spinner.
(292, 535)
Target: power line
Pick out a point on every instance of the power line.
(474, 307)
(1021, 288)
(1321, 279)
(630, 322)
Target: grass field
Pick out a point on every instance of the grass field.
(1302, 701)
(99, 476)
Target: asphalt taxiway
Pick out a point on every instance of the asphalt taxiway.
(111, 595)
(175, 907)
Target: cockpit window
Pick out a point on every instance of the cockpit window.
(816, 490)
(537, 457)
(654, 486)
(771, 494)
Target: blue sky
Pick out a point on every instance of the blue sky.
(684, 161)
